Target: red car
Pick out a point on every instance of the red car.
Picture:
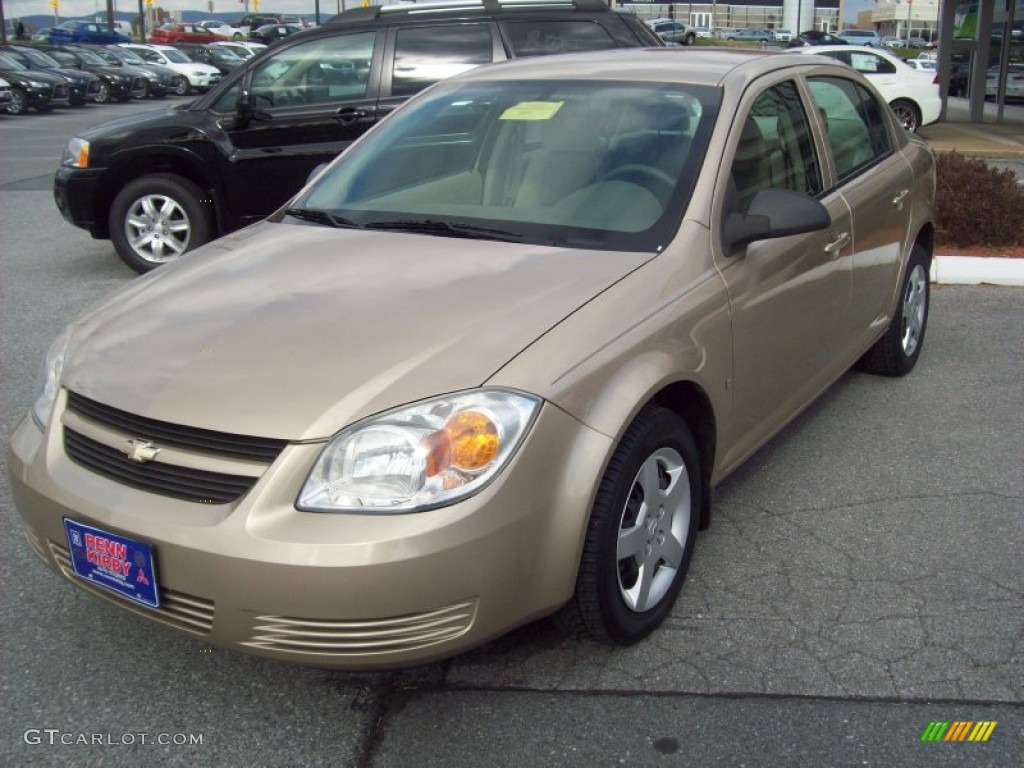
(169, 34)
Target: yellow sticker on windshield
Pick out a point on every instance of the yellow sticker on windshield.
(532, 110)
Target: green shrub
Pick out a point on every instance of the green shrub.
(976, 204)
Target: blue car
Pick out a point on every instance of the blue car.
(86, 32)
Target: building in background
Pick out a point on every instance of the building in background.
(748, 14)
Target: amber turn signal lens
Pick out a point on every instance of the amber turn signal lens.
(473, 440)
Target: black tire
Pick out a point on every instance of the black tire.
(103, 94)
(690, 39)
(908, 113)
(156, 218)
(609, 603)
(19, 102)
(896, 353)
(146, 91)
(182, 86)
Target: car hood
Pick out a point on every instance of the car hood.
(24, 75)
(296, 331)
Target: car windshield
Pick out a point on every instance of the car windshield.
(36, 58)
(176, 56)
(90, 58)
(578, 164)
(9, 62)
(127, 56)
(109, 57)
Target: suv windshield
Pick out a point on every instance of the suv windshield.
(578, 164)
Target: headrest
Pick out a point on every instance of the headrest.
(752, 145)
(572, 129)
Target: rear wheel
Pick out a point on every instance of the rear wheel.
(908, 114)
(641, 533)
(157, 218)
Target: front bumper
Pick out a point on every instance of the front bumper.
(334, 590)
(75, 192)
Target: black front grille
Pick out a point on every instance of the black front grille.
(166, 433)
(60, 92)
(165, 479)
(94, 87)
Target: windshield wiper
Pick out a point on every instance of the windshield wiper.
(322, 217)
(447, 228)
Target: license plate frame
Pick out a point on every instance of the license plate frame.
(115, 563)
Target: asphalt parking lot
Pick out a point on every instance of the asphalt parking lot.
(862, 579)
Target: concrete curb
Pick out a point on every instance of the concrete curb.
(973, 270)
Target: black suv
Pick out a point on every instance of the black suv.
(171, 180)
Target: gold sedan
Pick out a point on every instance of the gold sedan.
(489, 364)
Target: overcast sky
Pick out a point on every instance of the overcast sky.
(73, 9)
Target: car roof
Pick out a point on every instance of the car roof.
(472, 7)
(700, 66)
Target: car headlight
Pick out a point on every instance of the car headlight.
(49, 376)
(37, 84)
(76, 153)
(420, 456)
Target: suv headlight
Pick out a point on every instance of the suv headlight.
(49, 376)
(420, 456)
(76, 153)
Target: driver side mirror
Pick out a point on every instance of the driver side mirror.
(774, 213)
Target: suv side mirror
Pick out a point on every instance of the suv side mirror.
(774, 213)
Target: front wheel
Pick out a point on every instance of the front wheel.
(182, 86)
(19, 102)
(896, 353)
(641, 532)
(157, 218)
(690, 39)
(908, 114)
(103, 94)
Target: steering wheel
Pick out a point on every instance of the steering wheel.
(662, 181)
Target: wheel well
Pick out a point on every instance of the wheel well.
(138, 167)
(926, 239)
(691, 402)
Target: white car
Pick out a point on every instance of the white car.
(201, 77)
(221, 28)
(922, 65)
(1014, 82)
(913, 95)
(782, 35)
(243, 48)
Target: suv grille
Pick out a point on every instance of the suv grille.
(191, 438)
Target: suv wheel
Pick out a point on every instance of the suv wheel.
(103, 94)
(182, 86)
(157, 218)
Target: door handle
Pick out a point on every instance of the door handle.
(348, 114)
(900, 197)
(833, 248)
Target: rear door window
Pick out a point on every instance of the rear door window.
(426, 55)
(540, 37)
(855, 124)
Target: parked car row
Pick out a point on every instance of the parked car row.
(42, 77)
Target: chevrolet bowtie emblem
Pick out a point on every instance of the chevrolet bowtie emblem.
(140, 450)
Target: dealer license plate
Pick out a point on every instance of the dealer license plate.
(122, 565)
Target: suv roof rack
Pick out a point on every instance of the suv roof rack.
(368, 13)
